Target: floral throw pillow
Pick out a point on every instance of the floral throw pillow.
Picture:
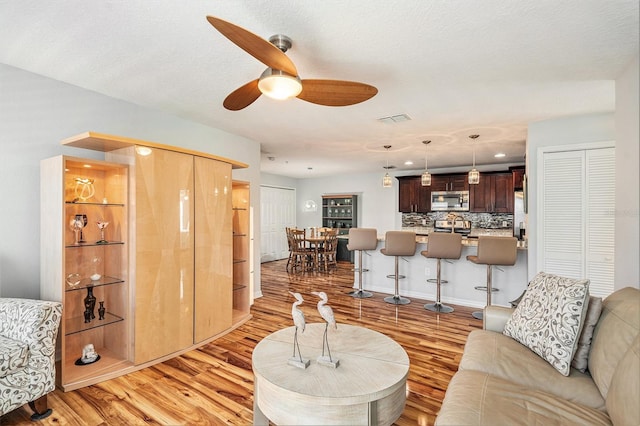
(548, 320)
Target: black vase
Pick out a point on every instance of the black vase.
(90, 302)
(101, 310)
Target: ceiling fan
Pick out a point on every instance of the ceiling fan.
(280, 80)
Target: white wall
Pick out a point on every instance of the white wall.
(36, 113)
(277, 181)
(627, 249)
(377, 206)
(564, 131)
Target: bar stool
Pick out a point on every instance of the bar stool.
(441, 246)
(398, 243)
(361, 239)
(493, 251)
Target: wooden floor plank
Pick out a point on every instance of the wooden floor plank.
(214, 384)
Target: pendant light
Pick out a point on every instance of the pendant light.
(474, 175)
(425, 179)
(386, 180)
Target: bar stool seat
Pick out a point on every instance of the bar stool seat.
(398, 243)
(493, 251)
(441, 246)
(361, 239)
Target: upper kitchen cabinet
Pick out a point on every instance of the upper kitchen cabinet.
(494, 194)
(412, 196)
(454, 182)
(518, 178)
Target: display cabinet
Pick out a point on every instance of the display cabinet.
(84, 264)
(241, 250)
(341, 212)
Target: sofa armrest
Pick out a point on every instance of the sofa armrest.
(495, 318)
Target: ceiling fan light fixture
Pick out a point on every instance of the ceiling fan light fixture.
(279, 85)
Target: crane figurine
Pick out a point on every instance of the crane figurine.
(327, 314)
(299, 323)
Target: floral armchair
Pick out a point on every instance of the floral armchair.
(28, 331)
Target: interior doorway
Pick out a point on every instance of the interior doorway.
(277, 211)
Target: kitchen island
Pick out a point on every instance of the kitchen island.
(462, 275)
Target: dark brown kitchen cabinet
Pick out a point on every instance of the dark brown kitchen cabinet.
(518, 178)
(412, 196)
(494, 194)
(454, 182)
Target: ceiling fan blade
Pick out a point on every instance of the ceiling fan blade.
(336, 92)
(243, 96)
(254, 45)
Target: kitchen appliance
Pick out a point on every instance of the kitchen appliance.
(459, 225)
(519, 218)
(450, 201)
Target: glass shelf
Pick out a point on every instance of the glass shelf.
(84, 203)
(87, 282)
(95, 244)
(77, 325)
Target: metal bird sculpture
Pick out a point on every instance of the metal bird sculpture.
(327, 314)
(299, 322)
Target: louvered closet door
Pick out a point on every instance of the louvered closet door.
(577, 217)
(600, 232)
(563, 214)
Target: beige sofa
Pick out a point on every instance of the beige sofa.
(501, 382)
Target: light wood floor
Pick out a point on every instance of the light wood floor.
(214, 384)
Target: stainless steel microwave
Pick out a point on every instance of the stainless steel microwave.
(457, 201)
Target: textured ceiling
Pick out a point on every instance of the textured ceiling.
(454, 67)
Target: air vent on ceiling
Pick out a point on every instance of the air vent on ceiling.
(395, 118)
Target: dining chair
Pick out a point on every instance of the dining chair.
(327, 252)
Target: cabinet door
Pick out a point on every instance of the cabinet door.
(459, 182)
(213, 300)
(503, 193)
(423, 198)
(406, 200)
(164, 253)
(480, 195)
(518, 178)
(439, 183)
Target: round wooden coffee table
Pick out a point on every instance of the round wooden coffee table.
(368, 386)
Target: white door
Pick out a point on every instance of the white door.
(278, 211)
(577, 201)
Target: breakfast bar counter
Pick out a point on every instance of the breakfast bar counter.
(462, 275)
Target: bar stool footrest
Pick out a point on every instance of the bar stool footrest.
(478, 315)
(484, 288)
(400, 277)
(435, 281)
(397, 300)
(358, 270)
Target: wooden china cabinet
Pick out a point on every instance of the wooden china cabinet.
(168, 274)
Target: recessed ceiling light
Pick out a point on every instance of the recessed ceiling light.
(500, 155)
(408, 163)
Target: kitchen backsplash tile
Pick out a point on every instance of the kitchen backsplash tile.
(478, 220)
